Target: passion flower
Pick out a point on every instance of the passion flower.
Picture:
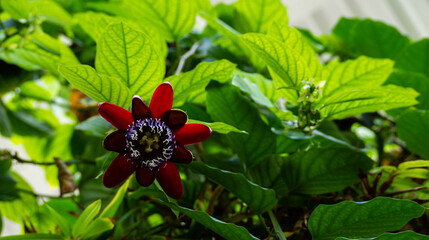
(150, 140)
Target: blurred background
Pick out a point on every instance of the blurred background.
(409, 17)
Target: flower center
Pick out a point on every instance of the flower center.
(149, 142)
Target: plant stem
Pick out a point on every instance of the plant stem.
(264, 224)
(185, 57)
(20, 160)
(279, 232)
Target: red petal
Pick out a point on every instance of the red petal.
(169, 179)
(116, 141)
(162, 100)
(181, 155)
(175, 119)
(145, 176)
(118, 171)
(192, 133)
(117, 116)
(139, 109)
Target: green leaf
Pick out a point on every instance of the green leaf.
(266, 86)
(407, 235)
(252, 89)
(98, 87)
(368, 37)
(113, 206)
(95, 126)
(170, 18)
(61, 221)
(52, 12)
(353, 102)
(362, 72)
(364, 219)
(26, 125)
(414, 58)
(268, 174)
(34, 236)
(18, 9)
(219, 127)
(86, 218)
(288, 64)
(413, 164)
(259, 15)
(324, 170)
(233, 36)
(97, 227)
(8, 191)
(130, 56)
(226, 230)
(195, 81)
(226, 104)
(416, 81)
(413, 128)
(257, 197)
(5, 127)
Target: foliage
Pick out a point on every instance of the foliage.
(314, 137)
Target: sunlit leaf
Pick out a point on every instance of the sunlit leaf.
(97, 227)
(219, 127)
(111, 209)
(364, 219)
(34, 236)
(61, 221)
(196, 80)
(258, 198)
(258, 15)
(98, 87)
(414, 164)
(95, 126)
(226, 230)
(363, 72)
(130, 56)
(86, 218)
(353, 102)
(252, 89)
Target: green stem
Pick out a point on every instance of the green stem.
(279, 232)
(265, 225)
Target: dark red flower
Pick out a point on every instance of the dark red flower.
(150, 140)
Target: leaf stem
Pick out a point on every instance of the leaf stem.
(185, 57)
(8, 155)
(278, 230)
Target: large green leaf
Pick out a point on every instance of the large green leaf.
(226, 230)
(353, 102)
(34, 236)
(219, 127)
(8, 192)
(324, 170)
(414, 58)
(258, 15)
(407, 235)
(86, 218)
(195, 81)
(416, 81)
(98, 87)
(255, 196)
(363, 72)
(268, 174)
(170, 18)
(130, 56)
(290, 66)
(226, 104)
(364, 219)
(368, 37)
(96, 23)
(25, 124)
(18, 9)
(413, 128)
